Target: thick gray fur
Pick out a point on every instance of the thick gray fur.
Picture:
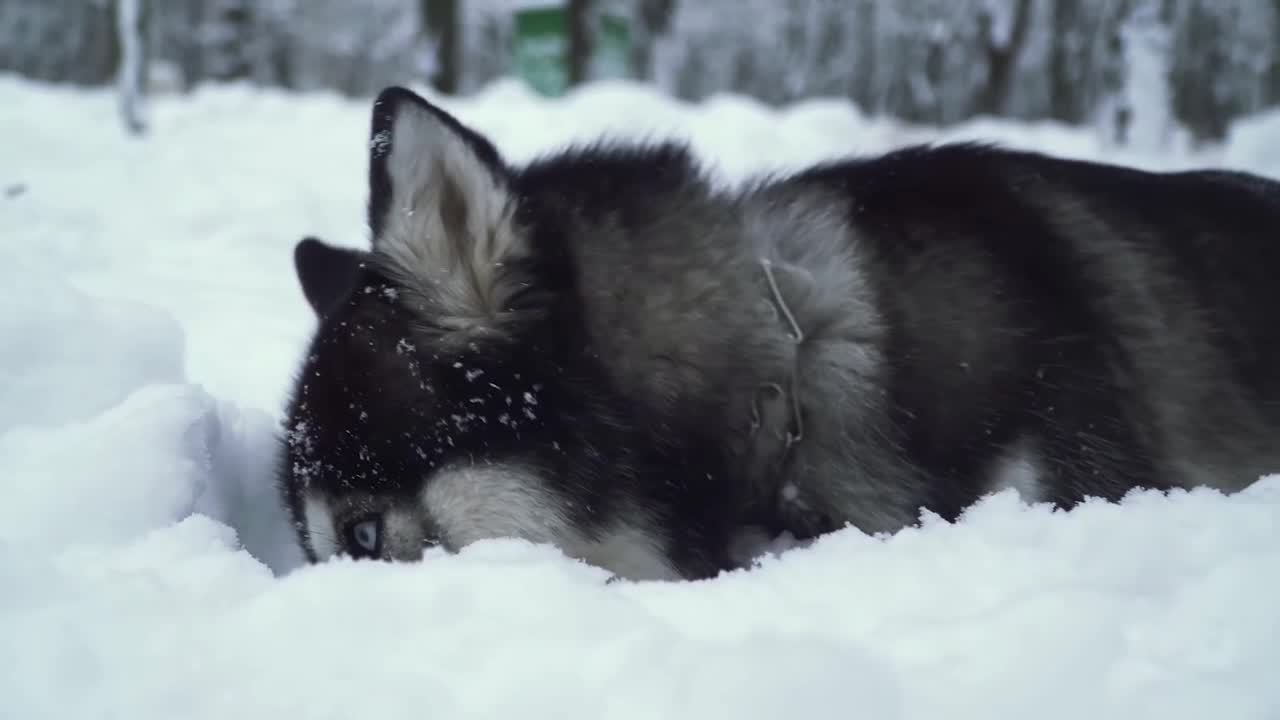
(840, 346)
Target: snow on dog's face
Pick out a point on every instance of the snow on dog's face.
(434, 404)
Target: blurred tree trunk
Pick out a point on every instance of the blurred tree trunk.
(132, 17)
(578, 16)
(1002, 56)
(440, 21)
(227, 29)
(1273, 72)
(1064, 61)
(176, 41)
(1087, 63)
(861, 80)
(653, 19)
(1201, 75)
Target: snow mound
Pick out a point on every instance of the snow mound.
(151, 323)
(1162, 607)
(50, 331)
(1254, 143)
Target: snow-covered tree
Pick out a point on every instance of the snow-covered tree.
(441, 23)
(64, 41)
(936, 61)
(1222, 54)
(131, 24)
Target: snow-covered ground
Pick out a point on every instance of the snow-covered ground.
(149, 321)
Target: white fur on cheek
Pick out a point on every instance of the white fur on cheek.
(403, 538)
(320, 528)
(477, 503)
(470, 503)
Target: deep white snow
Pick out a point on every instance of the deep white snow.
(149, 321)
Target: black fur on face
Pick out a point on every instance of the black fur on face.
(377, 409)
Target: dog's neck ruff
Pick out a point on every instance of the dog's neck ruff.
(787, 391)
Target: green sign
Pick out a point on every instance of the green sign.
(541, 51)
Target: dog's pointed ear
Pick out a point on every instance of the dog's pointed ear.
(325, 272)
(422, 159)
(442, 214)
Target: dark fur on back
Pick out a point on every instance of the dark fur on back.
(1121, 317)
(960, 307)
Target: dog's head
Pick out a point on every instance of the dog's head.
(447, 395)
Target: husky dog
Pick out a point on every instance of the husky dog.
(605, 351)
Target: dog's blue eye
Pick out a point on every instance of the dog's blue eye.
(363, 537)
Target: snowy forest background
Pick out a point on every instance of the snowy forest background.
(1165, 65)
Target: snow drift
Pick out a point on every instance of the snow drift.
(150, 324)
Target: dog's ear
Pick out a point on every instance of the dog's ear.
(417, 153)
(441, 213)
(325, 272)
